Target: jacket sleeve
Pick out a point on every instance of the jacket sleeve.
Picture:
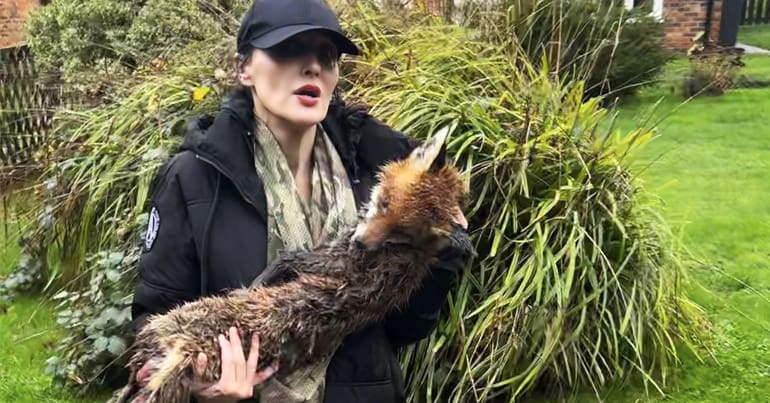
(168, 269)
(420, 316)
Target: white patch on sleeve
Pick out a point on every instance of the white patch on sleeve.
(152, 229)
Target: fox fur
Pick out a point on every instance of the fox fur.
(307, 302)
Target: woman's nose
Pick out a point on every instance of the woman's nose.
(312, 67)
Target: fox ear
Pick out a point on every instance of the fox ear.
(440, 159)
(431, 155)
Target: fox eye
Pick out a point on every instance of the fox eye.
(383, 205)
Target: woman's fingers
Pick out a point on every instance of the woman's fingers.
(198, 386)
(253, 361)
(228, 372)
(265, 374)
(200, 365)
(239, 375)
(199, 368)
(143, 375)
(239, 360)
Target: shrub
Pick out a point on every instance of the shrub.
(75, 35)
(636, 61)
(97, 322)
(599, 42)
(99, 43)
(713, 70)
(163, 28)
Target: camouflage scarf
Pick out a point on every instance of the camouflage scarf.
(294, 224)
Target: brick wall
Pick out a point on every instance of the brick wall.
(13, 14)
(684, 19)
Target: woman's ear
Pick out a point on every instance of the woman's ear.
(241, 73)
(244, 77)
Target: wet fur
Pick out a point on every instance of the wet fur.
(308, 302)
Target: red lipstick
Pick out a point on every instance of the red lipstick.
(308, 94)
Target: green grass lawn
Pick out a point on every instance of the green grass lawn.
(27, 333)
(757, 66)
(28, 330)
(755, 35)
(712, 170)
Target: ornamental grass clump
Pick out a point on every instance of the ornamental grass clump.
(578, 281)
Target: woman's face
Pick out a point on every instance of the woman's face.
(293, 81)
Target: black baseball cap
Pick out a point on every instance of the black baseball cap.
(270, 22)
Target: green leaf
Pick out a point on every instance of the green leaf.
(112, 275)
(115, 258)
(101, 343)
(111, 314)
(60, 295)
(117, 346)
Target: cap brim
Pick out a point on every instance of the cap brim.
(272, 38)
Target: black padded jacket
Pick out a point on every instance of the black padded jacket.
(209, 234)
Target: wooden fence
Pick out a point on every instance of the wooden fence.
(755, 12)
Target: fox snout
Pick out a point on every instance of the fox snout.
(359, 244)
(361, 240)
(371, 235)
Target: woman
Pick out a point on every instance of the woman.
(282, 166)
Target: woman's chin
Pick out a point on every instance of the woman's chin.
(307, 116)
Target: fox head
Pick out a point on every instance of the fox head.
(414, 201)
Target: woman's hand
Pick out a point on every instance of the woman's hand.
(239, 375)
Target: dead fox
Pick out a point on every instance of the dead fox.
(308, 302)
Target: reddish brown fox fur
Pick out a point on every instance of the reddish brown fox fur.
(308, 302)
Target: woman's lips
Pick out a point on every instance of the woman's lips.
(308, 95)
(306, 100)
